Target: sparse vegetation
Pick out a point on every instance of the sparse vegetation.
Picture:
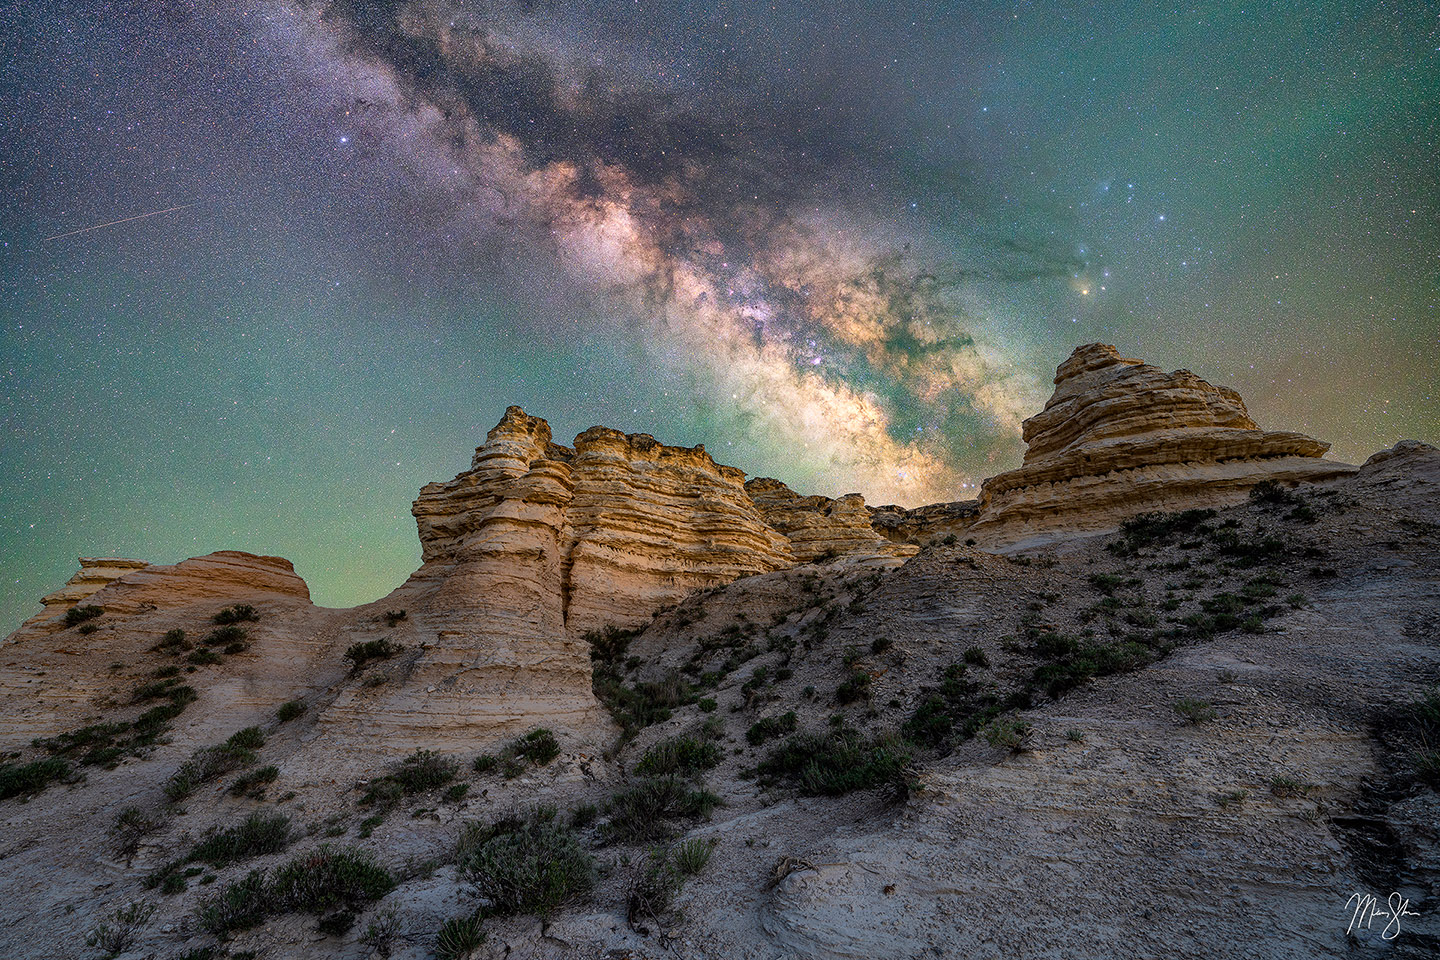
(646, 809)
(537, 747)
(289, 710)
(240, 613)
(132, 826)
(768, 728)
(421, 771)
(854, 687)
(27, 779)
(459, 936)
(254, 783)
(393, 617)
(1194, 711)
(1008, 733)
(361, 655)
(79, 614)
(211, 763)
(319, 882)
(686, 756)
(118, 933)
(829, 764)
(655, 883)
(525, 865)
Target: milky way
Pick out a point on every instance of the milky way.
(843, 244)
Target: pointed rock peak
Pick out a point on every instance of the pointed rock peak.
(517, 424)
(1092, 356)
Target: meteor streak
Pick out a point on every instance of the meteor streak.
(152, 213)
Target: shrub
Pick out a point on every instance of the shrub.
(1268, 491)
(459, 936)
(855, 687)
(238, 905)
(880, 644)
(484, 763)
(768, 728)
(88, 628)
(131, 827)
(392, 617)
(236, 614)
(707, 705)
(644, 810)
(325, 879)
(208, 764)
(223, 636)
(1194, 711)
(691, 856)
(457, 792)
(683, 755)
(204, 657)
(173, 642)
(381, 933)
(260, 833)
(539, 747)
(360, 654)
(648, 702)
(1008, 734)
(423, 770)
(253, 784)
(120, 930)
(838, 762)
(250, 738)
(25, 779)
(976, 657)
(526, 866)
(79, 614)
(289, 710)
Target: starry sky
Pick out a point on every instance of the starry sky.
(844, 244)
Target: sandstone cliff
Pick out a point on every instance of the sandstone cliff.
(1120, 437)
(94, 574)
(819, 527)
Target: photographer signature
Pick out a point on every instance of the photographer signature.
(1365, 908)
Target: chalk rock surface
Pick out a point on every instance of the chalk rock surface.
(1120, 437)
(820, 527)
(94, 574)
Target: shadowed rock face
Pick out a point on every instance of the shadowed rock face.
(819, 527)
(93, 575)
(1120, 437)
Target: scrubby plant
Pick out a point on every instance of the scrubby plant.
(854, 687)
(258, 834)
(686, 756)
(393, 617)
(361, 654)
(319, 882)
(485, 763)
(646, 809)
(239, 613)
(223, 636)
(132, 826)
(204, 657)
(1008, 733)
(1194, 711)
(26, 779)
(525, 865)
(838, 762)
(768, 728)
(210, 763)
(646, 703)
(975, 656)
(381, 932)
(118, 933)
(459, 936)
(173, 642)
(289, 710)
(655, 882)
(538, 747)
(253, 784)
(79, 614)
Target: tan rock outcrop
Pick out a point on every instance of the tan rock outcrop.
(1120, 437)
(93, 575)
(533, 546)
(819, 527)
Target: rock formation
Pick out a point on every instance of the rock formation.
(1120, 437)
(537, 544)
(94, 574)
(819, 527)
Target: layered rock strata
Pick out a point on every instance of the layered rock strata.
(1120, 437)
(820, 528)
(538, 543)
(93, 575)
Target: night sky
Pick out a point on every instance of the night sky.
(843, 244)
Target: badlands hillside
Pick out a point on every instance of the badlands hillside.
(1168, 689)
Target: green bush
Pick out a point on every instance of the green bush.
(206, 765)
(645, 809)
(204, 657)
(258, 834)
(253, 784)
(318, 882)
(236, 614)
(250, 738)
(485, 763)
(421, 771)
(1194, 711)
(289, 710)
(648, 702)
(683, 755)
(768, 728)
(79, 614)
(120, 929)
(173, 642)
(539, 747)
(361, 654)
(392, 617)
(526, 866)
(838, 762)
(855, 687)
(26, 779)
(459, 936)
(1007, 733)
(976, 657)
(223, 636)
